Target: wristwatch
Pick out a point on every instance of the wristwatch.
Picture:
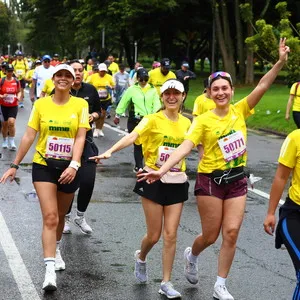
(12, 165)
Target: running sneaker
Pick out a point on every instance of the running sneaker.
(83, 225)
(221, 292)
(96, 133)
(11, 145)
(101, 132)
(67, 227)
(190, 268)
(50, 281)
(59, 263)
(167, 289)
(140, 269)
(137, 169)
(5, 144)
(21, 105)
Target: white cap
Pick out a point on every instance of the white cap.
(172, 84)
(102, 67)
(63, 67)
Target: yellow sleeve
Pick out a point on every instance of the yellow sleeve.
(288, 152)
(84, 115)
(34, 119)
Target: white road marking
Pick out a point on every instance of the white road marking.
(255, 191)
(115, 129)
(17, 266)
(264, 195)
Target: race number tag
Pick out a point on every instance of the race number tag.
(59, 147)
(102, 94)
(19, 72)
(164, 153)
(9, 98)
(232, 146)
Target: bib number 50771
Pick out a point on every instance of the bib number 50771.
(232, 146)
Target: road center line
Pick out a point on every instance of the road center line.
(16, 263)
(255, 191)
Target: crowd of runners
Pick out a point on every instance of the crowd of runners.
(70, 101)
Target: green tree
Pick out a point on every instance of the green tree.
(265, 41)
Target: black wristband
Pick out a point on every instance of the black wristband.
(12, 165)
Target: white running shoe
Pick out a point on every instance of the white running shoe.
(50, 281)
(67, 227)
(140, 269)
(96, 133)
(59, 263)
(101, 132)
(5, 144)
(221, 292)
(83, 225)
(190, 268)
(11, 145)
(167, 289)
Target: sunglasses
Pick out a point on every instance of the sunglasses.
(143, 79)
(46, 61)
(221, 74)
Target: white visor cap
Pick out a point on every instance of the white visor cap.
(172, 84)
(64, 67)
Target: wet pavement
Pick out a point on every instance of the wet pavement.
(100, 266)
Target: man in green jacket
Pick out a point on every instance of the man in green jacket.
(141, 99)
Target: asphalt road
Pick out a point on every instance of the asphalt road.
(100, 266)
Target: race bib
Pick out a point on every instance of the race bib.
(164, 153)
(19, 72)
(59, 148)
(122, 82)
(102, 94)
(232, 146)
(9, 98)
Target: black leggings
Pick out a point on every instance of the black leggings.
(296, 117)
(137, 149)
(87, 182)
(289, 232)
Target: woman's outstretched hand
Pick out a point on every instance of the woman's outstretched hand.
(283, 50)
(97, 158)
(150, 177)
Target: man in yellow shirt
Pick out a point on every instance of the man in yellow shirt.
(21, 67)
(104, 83)
(113, 67)
(159, 76)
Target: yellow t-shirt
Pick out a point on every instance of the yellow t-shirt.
(290, 157)
(202, 104)
(2, 74)
(59, 121)
(100, 83)
(89, 67)
(114, 68)
(28, 77)
(158, 135)
(21, 67)
(48, 87)
(157, 78)
(296, 104)
(207, 129)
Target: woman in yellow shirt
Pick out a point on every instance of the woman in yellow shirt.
(221, 184)
(62, 122)
(160, 134)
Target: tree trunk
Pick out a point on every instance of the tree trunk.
(240, 43)
(249, 78)
(127, 46)
(224, 40)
